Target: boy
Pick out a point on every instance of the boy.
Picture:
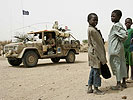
(96, 54)
(116, 50)
(128, 23)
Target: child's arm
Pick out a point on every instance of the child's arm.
(90, 44)
(121, 33)
(131, 41)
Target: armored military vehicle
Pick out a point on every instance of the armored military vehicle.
(29, 51)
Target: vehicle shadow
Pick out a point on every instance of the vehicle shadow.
(50, 64)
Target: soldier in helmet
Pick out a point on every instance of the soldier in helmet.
(50, 43)
(55, 26)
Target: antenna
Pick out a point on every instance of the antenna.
(11, 23)
(22, 15)
(46, 27)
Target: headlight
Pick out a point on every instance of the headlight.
(2, 52)
(4, 49)
(10, 52)
(15, 48)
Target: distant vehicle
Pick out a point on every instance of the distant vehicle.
(29, 51)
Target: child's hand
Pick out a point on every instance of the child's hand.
(132, 41)
(126, 33)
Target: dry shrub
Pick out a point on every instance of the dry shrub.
(3, 43)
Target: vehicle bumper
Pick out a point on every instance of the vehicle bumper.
(7, 55)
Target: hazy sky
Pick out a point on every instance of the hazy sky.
(72, 13)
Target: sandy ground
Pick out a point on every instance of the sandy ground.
(50, 81)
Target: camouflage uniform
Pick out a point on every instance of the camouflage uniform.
(55, 26)
(50, 44)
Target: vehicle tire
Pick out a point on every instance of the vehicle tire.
(30, 59)
(55, 60)
(14, 61)
(70, 58)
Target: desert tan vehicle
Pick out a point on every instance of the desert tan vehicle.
(28, 52)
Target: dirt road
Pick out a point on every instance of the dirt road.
(50, 81)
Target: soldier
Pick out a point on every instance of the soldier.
(55, 26)
(50, 43)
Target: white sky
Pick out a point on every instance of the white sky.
(72, 13)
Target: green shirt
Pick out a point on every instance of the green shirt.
(127, 44)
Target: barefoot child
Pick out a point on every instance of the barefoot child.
(127, 43)
(96, 54)
(117, 60)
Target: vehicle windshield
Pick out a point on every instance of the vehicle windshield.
(37, 37)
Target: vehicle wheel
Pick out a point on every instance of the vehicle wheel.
(14, 61)
(30, 59)
(70, 58)
(55, 60)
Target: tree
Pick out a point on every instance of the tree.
(85, 41)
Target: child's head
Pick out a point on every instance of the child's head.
(92, 19)
(116, 16)
(128, 23)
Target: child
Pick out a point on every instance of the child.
(116, 50)
(96, 54)
(128, 50)
(131, 49)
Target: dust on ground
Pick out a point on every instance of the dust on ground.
(50, 81)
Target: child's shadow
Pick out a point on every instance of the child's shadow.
(129, 83)
(108, 89)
